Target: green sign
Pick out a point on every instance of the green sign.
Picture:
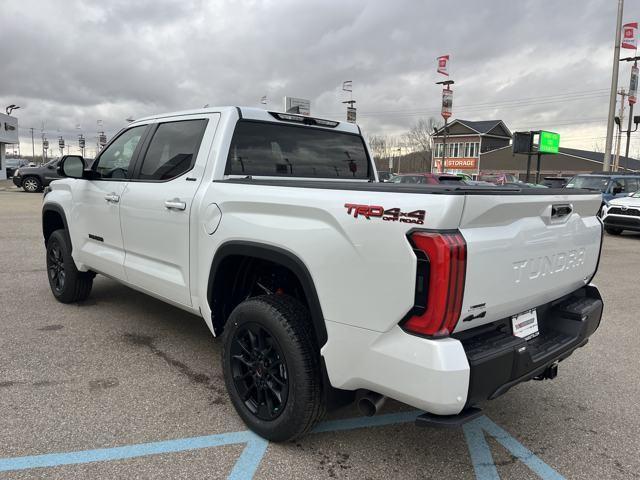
(549, 142)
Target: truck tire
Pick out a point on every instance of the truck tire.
(613, 231)
(271, 367)
(31, 184)
(67, 283)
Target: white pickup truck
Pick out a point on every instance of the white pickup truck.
(325, 283)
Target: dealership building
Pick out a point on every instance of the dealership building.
(485, 146)
(8, 136)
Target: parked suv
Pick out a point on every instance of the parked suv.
(611, 185)
(13, 164)
(34, 179)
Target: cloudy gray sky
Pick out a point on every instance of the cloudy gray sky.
(534, 64)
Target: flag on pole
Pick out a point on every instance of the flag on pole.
(443, 65)
(630, 36)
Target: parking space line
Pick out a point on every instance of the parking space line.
(253, 441)
(256, 447)
(482, 459)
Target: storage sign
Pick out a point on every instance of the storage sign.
(549, 142)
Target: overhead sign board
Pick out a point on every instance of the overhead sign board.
(8, 129)
(297, 105)
(549, 142)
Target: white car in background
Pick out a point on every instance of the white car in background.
(622, 214)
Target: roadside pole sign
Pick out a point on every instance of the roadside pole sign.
(297, 105)
(351, 114)
(549, 142)
(630, 36)
(633, 86)
(447, 102)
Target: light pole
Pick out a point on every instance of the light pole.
(447, 103)
(614, 87)
(633, 90)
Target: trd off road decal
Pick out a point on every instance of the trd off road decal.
(390, 215)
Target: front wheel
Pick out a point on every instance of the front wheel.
(271, 367)
(31, 184)
(613, 231)
(66, 282)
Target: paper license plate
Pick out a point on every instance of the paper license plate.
(525, 325)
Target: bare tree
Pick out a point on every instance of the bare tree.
(419, 138)
(597, 146)
(383, 147)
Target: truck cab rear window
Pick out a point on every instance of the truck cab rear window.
(270, 149)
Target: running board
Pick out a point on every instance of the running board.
(448, 421)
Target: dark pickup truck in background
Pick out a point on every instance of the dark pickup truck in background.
(34, 179)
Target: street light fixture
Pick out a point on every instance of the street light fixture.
(11, 108)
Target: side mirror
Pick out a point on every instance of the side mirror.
(71, 167)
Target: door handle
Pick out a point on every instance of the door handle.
(112, 198)
(175, 204)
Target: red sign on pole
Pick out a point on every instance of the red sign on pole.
(630, 36)
(443, 65)
(447, 102)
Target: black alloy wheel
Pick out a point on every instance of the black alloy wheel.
(55, 267)
(259, 371)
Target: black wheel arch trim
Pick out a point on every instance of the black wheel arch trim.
(279, 256)
(57, 208)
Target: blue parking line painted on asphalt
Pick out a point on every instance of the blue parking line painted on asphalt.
(249, 461)
(127, 451)
(482, 459)
(256, 447)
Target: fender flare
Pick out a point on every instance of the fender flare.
(57, 208)
(279, 256)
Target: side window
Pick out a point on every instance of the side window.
(616, 186)
(115, 160)
(631, 185)
(172, 150)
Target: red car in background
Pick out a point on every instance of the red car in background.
(498, 178)
(428, 178)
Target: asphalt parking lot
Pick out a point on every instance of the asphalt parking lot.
(124, 386)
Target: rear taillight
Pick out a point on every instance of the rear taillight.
(442, 263)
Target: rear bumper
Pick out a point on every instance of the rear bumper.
(498, 360)
(625, 222)
(447, 375)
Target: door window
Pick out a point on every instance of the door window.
(631, 185)
(115, 160)
(172, 150)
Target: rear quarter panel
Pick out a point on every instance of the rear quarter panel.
(363, 269)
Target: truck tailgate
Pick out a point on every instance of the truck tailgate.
(524, 251)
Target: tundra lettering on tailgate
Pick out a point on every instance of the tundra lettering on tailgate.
(540, 267)
(388, 215)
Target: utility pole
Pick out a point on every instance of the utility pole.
(614, 86)
(33, 147)
(633, 88)
(447, 103)
(616, 162)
